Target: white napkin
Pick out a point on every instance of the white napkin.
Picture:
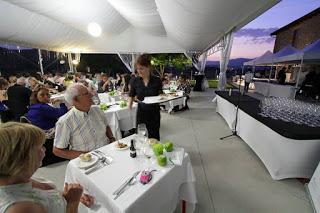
(176, 156)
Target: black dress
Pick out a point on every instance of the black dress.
(148, 114)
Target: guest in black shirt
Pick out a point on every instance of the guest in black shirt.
(105, 85)
(18, 99)
(143, 86)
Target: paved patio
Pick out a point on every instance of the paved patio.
(230, 176)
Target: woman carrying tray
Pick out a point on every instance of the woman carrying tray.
(143, 86)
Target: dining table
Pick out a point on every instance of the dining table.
(121, 118)
(107, 98)
(169, 186)
(180, 100)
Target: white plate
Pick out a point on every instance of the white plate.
(120, 149)
(82, 165)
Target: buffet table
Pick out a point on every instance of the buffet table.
(170, 184)
(276, 90)
(287, 150)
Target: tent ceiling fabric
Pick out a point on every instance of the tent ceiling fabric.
(153, 26)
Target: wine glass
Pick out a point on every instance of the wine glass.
(142, 130)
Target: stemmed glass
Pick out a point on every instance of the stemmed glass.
(142, 136)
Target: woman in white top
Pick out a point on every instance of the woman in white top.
(22, 151)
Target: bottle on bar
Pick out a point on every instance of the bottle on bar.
(133, 152)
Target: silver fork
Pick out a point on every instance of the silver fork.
(101, 158)
(99, 166)
(109, 159)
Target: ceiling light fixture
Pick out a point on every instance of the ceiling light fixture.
(94, 29)
(75, 62)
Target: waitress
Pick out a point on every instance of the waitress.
(143, 86)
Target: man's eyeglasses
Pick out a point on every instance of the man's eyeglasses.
(82, 94)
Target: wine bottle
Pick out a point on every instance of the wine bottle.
(133, 152)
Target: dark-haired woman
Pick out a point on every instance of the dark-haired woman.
(143, 86)
(45, 117)
(126, 87)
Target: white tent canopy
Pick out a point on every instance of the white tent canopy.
(128, 26)
(288, 50)
(310, 54)
(262, 57)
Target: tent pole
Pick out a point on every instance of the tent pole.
(132, 63)
(40, 61)
(270, 72)
(295, 92)
(241, 78)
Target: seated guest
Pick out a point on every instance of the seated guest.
(4, 84)
(18, 99)
(45, 117)
(118, 80)
(12, 80)
(90, 82)
(165, 84)
(22, 152)
(126, 84)
(59, 78)
(33, 83)
(50, 77)
(184, 85)
(40, 113)
(53, 86)
(84, 128)
(68, 80)
(105, 85)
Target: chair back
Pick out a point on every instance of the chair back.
(24, 119)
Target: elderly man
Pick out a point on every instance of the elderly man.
(105, 85)
(84, 128)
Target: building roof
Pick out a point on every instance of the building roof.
(298, 21)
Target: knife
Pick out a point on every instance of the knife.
(93, 169)
(125, 183)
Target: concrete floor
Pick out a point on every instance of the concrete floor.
(230, 176)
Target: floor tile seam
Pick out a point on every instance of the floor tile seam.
(205, 174)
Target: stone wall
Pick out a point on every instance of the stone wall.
(309, 33)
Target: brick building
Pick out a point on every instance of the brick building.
(300, 33)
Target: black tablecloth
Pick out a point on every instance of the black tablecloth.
(197, 86)
(287, 129)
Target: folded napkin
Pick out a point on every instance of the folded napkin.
(176, 156)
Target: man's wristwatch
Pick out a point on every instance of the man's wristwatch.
(112, 138)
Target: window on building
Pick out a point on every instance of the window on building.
(295, 37)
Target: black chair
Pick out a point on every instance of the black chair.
(50, 157)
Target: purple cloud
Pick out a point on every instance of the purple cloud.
(256, 36)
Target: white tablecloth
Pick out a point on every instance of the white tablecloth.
(275, 90)
(121, 119)
(106, 98)
(169, 184)
(61, 97)
(283, 157)
(181, 102)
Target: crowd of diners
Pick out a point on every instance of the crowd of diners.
(35, 134)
